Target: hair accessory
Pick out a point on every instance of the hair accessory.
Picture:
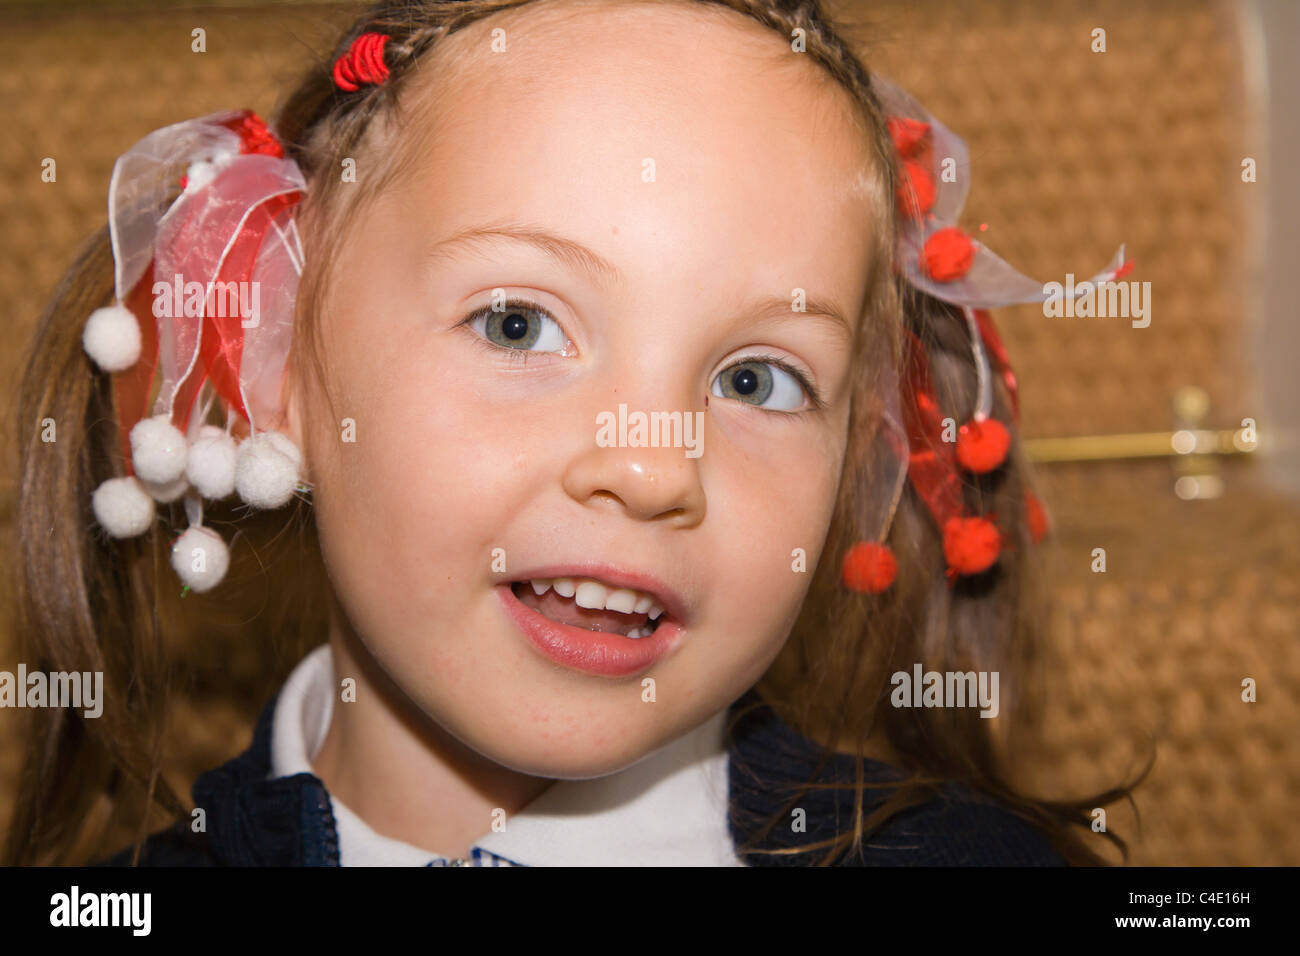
(938, 258)
(205, 283)
(869, 567)
(362, 64)
(1036, 517)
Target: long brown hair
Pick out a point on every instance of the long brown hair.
(88, 603)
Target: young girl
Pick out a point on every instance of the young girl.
(633, 371)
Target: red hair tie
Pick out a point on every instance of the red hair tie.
(363, 63)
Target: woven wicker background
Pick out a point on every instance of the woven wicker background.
(1073, 152)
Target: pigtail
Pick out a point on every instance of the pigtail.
(84, 600)
(90, 603)
(832, 680)
(992, 622)
(182, 674)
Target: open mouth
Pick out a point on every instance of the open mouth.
(592, 605)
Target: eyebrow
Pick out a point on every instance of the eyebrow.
(565, 251)
(574, 254)
(777, 306)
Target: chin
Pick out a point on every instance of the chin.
(571, 759)
(600, 746)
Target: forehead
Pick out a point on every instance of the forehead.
(674, 120)
(606, 48)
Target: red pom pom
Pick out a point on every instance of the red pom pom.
(1036, 517)
(982, 446)
(915, 190)
(907, 134)
(869, 568)
(948, 254)
(970, 545)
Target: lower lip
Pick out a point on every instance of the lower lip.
(593, 652)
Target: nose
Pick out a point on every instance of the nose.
(647, 483)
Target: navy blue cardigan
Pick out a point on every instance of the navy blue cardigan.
(288, 821)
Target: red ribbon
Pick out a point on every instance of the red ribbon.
(222, 336)
(932, 462)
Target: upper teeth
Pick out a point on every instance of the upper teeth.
(592, 594)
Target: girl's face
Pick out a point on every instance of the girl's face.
(651, 191)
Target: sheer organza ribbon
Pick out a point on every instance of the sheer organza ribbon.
(231, 232)
(931, 202)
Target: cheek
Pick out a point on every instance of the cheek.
(406, 508)
(784, 503)
(770, 528)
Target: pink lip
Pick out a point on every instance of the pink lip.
(593, 652)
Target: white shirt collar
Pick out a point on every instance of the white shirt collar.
(669, 809)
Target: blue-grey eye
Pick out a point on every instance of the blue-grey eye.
(521, 327)
(763, 384)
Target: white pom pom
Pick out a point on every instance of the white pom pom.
(199, 174)
(157, 450)
(210, 463)
(166, 492)
(285, 446)
(122, 507)
(200, 558)
(203, 170)
(265, 476)
(112, 338)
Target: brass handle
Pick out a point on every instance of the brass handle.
(1174, 444)
(1196, 451)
